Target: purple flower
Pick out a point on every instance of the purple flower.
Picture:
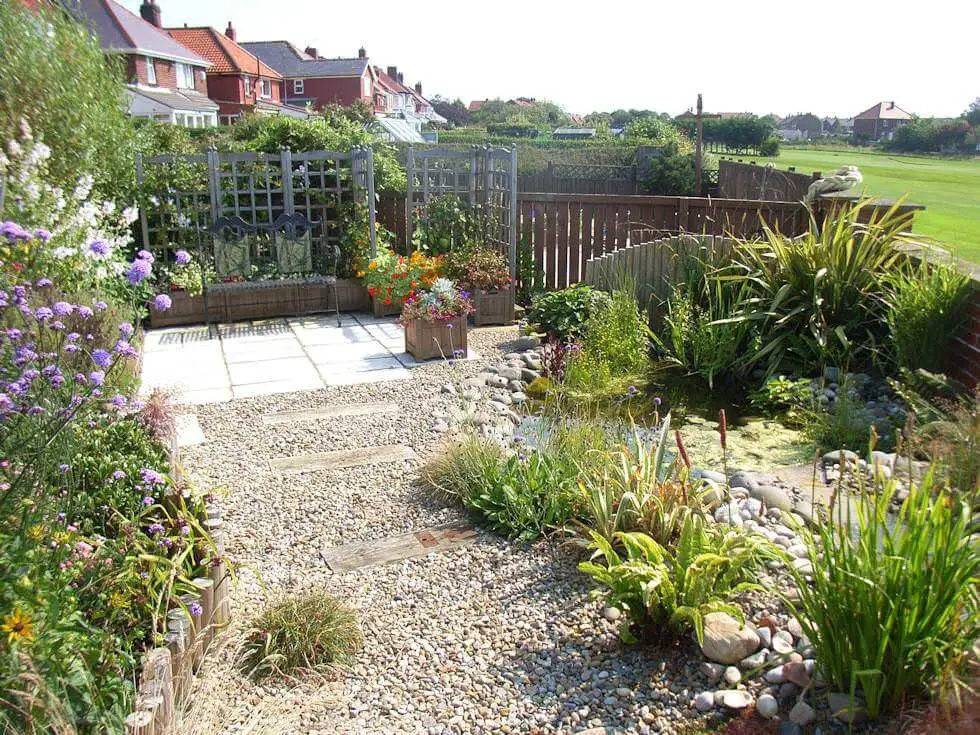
(148, 500)
(99, 248)
(13, 231)
(41, 234)
(102, 358)
(151, 477)
(124, 348)
(84, 312)
(5, 403)
(155, 528)
(13, 334)
(126, 330)
(195, 609)
(145, 255)
(657, 401)
(101, 306)
(97, 377)
(118, 400)
(44, 282)
(182, 257)
(118, 475)
(57, 325)
(139, 270)
(161, 302)
(64, 467)
(43, 313)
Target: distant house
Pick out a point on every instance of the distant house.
(880, 121)
(573, 133)
(313, 80)
(167, 81)
(238, 82)
(799, 127)
(837, 125)
(393, 98)
(691, 115)
(475, 105)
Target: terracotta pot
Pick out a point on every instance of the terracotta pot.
(494, 307)
(426, 340)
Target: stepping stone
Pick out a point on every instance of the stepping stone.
(189, 432)
(328, 412)
(341, 458)
(395, 548)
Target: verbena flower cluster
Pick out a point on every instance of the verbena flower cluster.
(442, 302)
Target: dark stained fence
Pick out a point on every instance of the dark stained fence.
(737, 180)
(391, 216)
(580, 179)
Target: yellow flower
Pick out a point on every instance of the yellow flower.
(61, 537)
(372, 265)
(36, 532)
(119, 600)
(17, 626)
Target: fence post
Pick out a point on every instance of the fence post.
(410, 178)
(214, 183)
(144, 225)
(372, 201)
(286, 166)
(513, 213)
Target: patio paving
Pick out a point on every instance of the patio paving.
(274, 356)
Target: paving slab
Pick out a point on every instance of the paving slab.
(395, 548)
(207, 395)
(342, 458)
(329, 412)
(264, 371)
(189, 432)
(352, 352)
(249, 351)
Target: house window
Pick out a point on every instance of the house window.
(266, 88)
(247, 81)
(298, 86)
(366, 85)
(151, 71)
(185, 76)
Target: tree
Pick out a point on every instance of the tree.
(972, 113)
(455, 112)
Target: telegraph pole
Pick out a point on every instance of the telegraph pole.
(697, 149)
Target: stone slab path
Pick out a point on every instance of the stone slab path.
(396, 548)
(274, 356)
(342, 458)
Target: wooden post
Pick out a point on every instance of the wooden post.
(140, 723)
(205, 589)
(222, 605)
(698, 163)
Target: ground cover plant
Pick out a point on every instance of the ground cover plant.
(564, 314)
(946, 186)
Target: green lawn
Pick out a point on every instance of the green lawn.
(948, 188)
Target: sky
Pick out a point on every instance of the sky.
(756, 56)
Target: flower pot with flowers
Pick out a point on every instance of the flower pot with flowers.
(392, 279)
(485, 273)
(435, 321)
(183, 280)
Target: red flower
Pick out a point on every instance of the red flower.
(387, 302)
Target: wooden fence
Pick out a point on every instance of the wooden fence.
(739, 180)
(654, 266)
(580, 179)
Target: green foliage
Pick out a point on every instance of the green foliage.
(656, 131)
(312, 632)
(894, 607)
(818, 299)
(848, 426)
(56, 77)
(446, 223)
(565, 313)
(790, 398)
(925, 307)
(529, 276)
(738, 134)
(478, 267)
(769, 147)
(614, 347)
(541, 114)
(925, 135)
(695, 336)
(671, 589)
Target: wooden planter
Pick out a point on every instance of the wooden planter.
(494, 307)
(230, 302)
(426, 340)
(380, 308)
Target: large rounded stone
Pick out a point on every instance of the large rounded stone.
(767, 706)
(726, 640)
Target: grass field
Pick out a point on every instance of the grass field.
(948, 188)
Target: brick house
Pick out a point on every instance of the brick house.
(880, 121)
(393, 98)
(238, 82)
(313, 80)
(166, 81)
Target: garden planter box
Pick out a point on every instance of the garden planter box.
(426, 340)
(262, 300)
(494, 307)
(382, 309)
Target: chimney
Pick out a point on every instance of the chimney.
(393, 72)
(891, 105)
(230, 32)
(150, 12)
(361, 53)
(311, 51)
(401, 78)
(418, 88)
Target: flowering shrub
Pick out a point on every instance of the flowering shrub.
(95, 540)
(478, 268)
(442, 302)
(394, 279)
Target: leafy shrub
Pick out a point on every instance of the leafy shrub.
(925, 308)
(565, 313)
(478, 268)
(781, 394)
(614, 347)
(893, 607)
(769, 147)
(818, 299)
(672, 588)
(57, 78)
(446, 223)
(310, 632)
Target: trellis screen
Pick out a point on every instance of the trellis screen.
(483, 177)
(182, 195)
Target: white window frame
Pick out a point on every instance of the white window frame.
(185, 76)
(299, 86)
(366, 86)
(247, 81)
(265, 88)
(151, 71)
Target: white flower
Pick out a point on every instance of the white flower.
(62, 252)
(183, 220)
(108, 207)
(84, 187)
(101, 272)
(130, 215)
(13, 147)
(38, 155)
(32, 191)
(154, 201)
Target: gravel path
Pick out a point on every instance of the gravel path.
(487, 638)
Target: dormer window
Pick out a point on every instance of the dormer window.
(151, 71)
(185, 76)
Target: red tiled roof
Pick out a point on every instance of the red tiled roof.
(388, 82)
(476, 105)
(226, 55)
(884, 111)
